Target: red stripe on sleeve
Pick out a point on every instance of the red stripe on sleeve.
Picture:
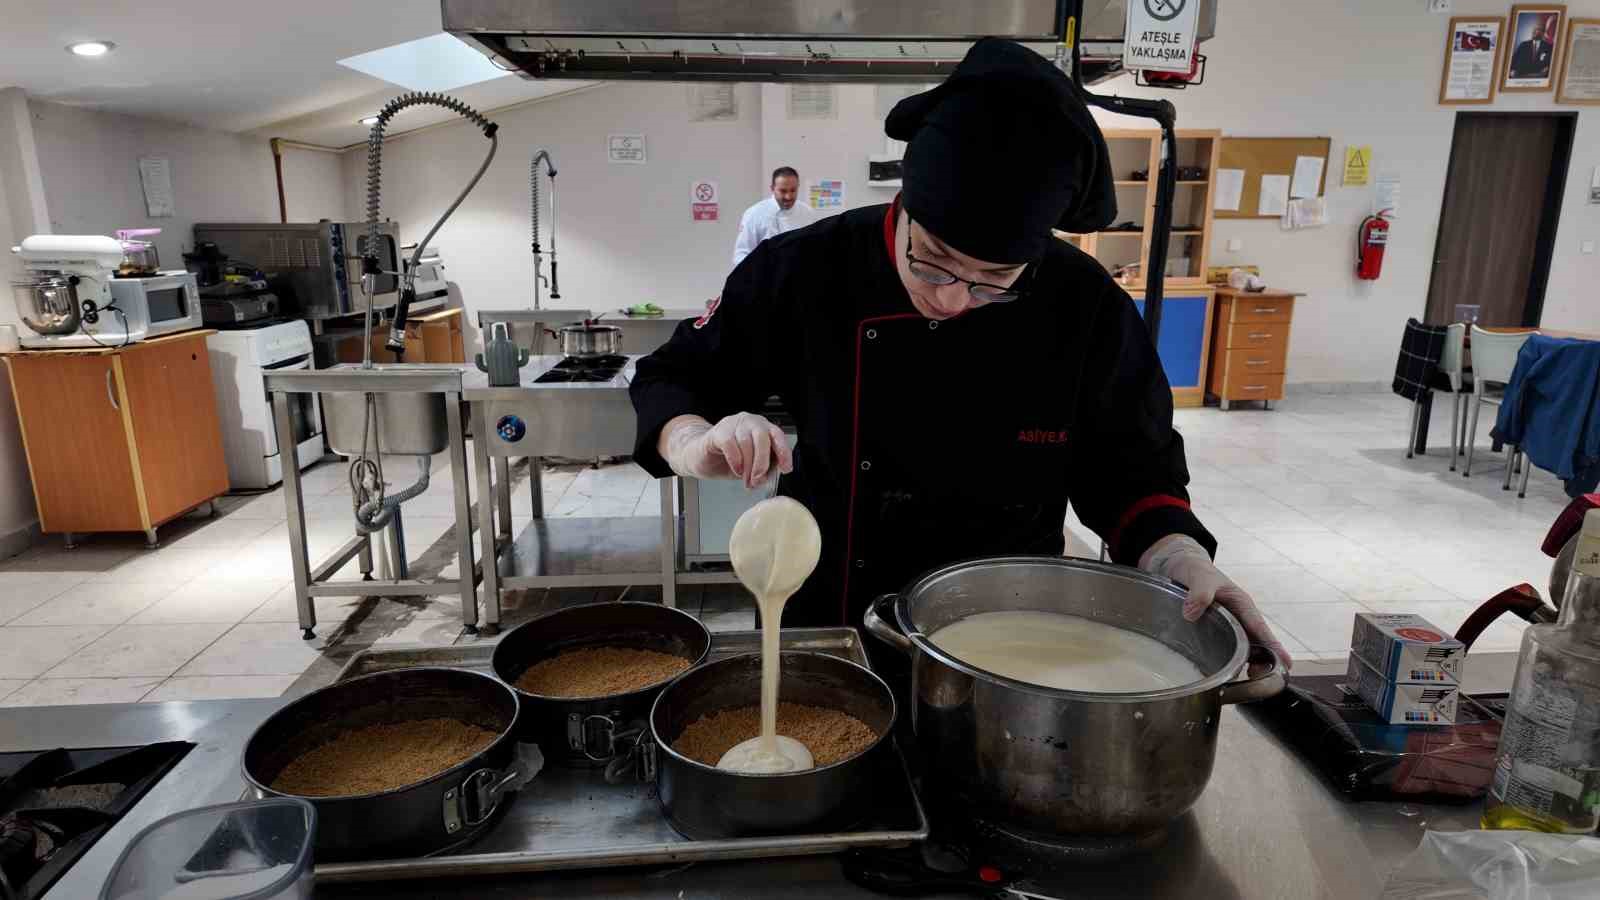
(1154, 501)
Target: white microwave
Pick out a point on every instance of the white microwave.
(166, 302)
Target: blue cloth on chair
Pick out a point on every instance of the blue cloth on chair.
(1552, 409)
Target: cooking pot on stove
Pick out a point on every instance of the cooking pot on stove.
(1061, 764)
(586, 340)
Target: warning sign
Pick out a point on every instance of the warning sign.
(1161, 35)
(1357, 165)
(703, 204)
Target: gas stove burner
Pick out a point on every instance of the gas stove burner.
(592, 369)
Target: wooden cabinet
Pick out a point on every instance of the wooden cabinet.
(119, 439)
(1250, 345)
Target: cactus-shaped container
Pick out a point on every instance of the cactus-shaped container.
(501, 357)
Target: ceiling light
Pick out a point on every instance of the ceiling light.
(91, 48)
(369, 120)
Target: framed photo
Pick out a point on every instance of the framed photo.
(1533, 47)
(1580, 63)
(1471, 60)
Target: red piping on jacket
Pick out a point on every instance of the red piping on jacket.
(1154, 501)
(889, 219)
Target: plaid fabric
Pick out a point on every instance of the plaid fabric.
(1417, 369)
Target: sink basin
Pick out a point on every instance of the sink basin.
(407, 424)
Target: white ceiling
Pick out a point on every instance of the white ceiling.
(267, 66)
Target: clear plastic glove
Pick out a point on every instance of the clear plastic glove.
(744, 446)
(1180, 558)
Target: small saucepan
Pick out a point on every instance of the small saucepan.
(588, 731)
(586, 340)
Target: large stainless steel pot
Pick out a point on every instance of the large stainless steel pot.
(445, 810)
(48, 304)
(1065, 764)
(585, 340)
(585, 731)
(703, 802)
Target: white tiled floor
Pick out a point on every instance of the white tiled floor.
(1317, 511)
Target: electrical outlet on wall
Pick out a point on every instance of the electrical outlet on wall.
(1586, 247)
(1439, 6)
(1235, 245)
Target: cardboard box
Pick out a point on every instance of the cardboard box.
(1407, 649)
(430, 338)
(1403, 704)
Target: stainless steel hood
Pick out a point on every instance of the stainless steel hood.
(773, 40)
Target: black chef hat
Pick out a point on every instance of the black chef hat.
(1000, 153)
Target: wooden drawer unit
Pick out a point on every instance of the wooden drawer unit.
(119, 439)
(1250, 345)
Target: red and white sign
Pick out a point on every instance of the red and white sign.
(703, 201)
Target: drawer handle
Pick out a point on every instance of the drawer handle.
(1266, 309)
(110, 394)
(1259, 335)
(1256, 362)
(1253, 387)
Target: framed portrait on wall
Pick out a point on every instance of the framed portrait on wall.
(1533, 47)
(1471, 60)
(1580, 63)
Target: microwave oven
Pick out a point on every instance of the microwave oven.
(165, 302)
(315, 267)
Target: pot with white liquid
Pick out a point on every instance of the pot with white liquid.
(1051, 763)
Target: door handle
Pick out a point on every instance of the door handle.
(110, 393)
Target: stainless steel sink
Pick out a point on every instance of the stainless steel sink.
(409, 422)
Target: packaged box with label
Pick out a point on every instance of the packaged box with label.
(1407, 649)
(1403, 704)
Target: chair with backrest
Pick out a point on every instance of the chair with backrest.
(1453, 366)
(1494, 356)
(1416, 372)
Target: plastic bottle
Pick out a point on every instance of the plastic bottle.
(1547, 768)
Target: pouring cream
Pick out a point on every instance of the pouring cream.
(774, 547)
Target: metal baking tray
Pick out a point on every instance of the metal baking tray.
(573, 819)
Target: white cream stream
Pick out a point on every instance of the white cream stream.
(1065, 652)
(774, 547)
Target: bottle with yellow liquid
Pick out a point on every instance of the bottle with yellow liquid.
(1547, 768)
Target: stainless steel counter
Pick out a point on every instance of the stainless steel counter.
(1266, 827)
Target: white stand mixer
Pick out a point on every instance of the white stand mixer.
(65, 298)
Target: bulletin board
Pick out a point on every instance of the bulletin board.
(1267, 156)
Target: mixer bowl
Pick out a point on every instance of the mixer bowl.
(47, 304)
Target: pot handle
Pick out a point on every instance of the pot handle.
(880, 627)
(1262, 686)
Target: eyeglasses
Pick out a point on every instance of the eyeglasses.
(929, 273)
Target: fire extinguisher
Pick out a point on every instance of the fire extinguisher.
(1371, 239)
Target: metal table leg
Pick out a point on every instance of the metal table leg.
(536, 485)
(294, 505)
(1527, 466)
(502, 477)
(463, 496)
(397, 546)
(1424, 414)
(487, 554)
(669, 549)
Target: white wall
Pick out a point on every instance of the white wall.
(90, 163)
(624, 233)
(21, 210)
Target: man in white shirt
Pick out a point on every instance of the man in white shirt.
(779, 213)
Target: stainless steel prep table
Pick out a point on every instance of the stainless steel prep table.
(1266, 827)
(581, 420)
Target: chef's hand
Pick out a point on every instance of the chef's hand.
(1181, 558)
(744, 446)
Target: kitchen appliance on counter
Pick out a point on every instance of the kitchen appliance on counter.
(433, 292)
(167, 302)
(64, 297)
(319, 263)
(239, 361)
(238, 304)
(139, 258)
(56, 803)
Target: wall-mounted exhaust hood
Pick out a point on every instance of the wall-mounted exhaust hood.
(774, 40)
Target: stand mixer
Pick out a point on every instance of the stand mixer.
(65, 296)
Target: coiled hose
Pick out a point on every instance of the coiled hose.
(533, 219)
(374, 510)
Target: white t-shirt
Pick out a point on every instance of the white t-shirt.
(765, 219)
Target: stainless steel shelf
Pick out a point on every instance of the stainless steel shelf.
(583, 552)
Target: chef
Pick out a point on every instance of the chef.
(778, 213)
(956, 374)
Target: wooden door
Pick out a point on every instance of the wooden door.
(1502, 199)
(77, 441)
(176, 432)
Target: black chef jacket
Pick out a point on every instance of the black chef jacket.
(922, 443)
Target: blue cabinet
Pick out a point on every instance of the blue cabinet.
(1185, 332)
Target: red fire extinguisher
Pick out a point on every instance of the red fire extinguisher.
(1370, 241)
